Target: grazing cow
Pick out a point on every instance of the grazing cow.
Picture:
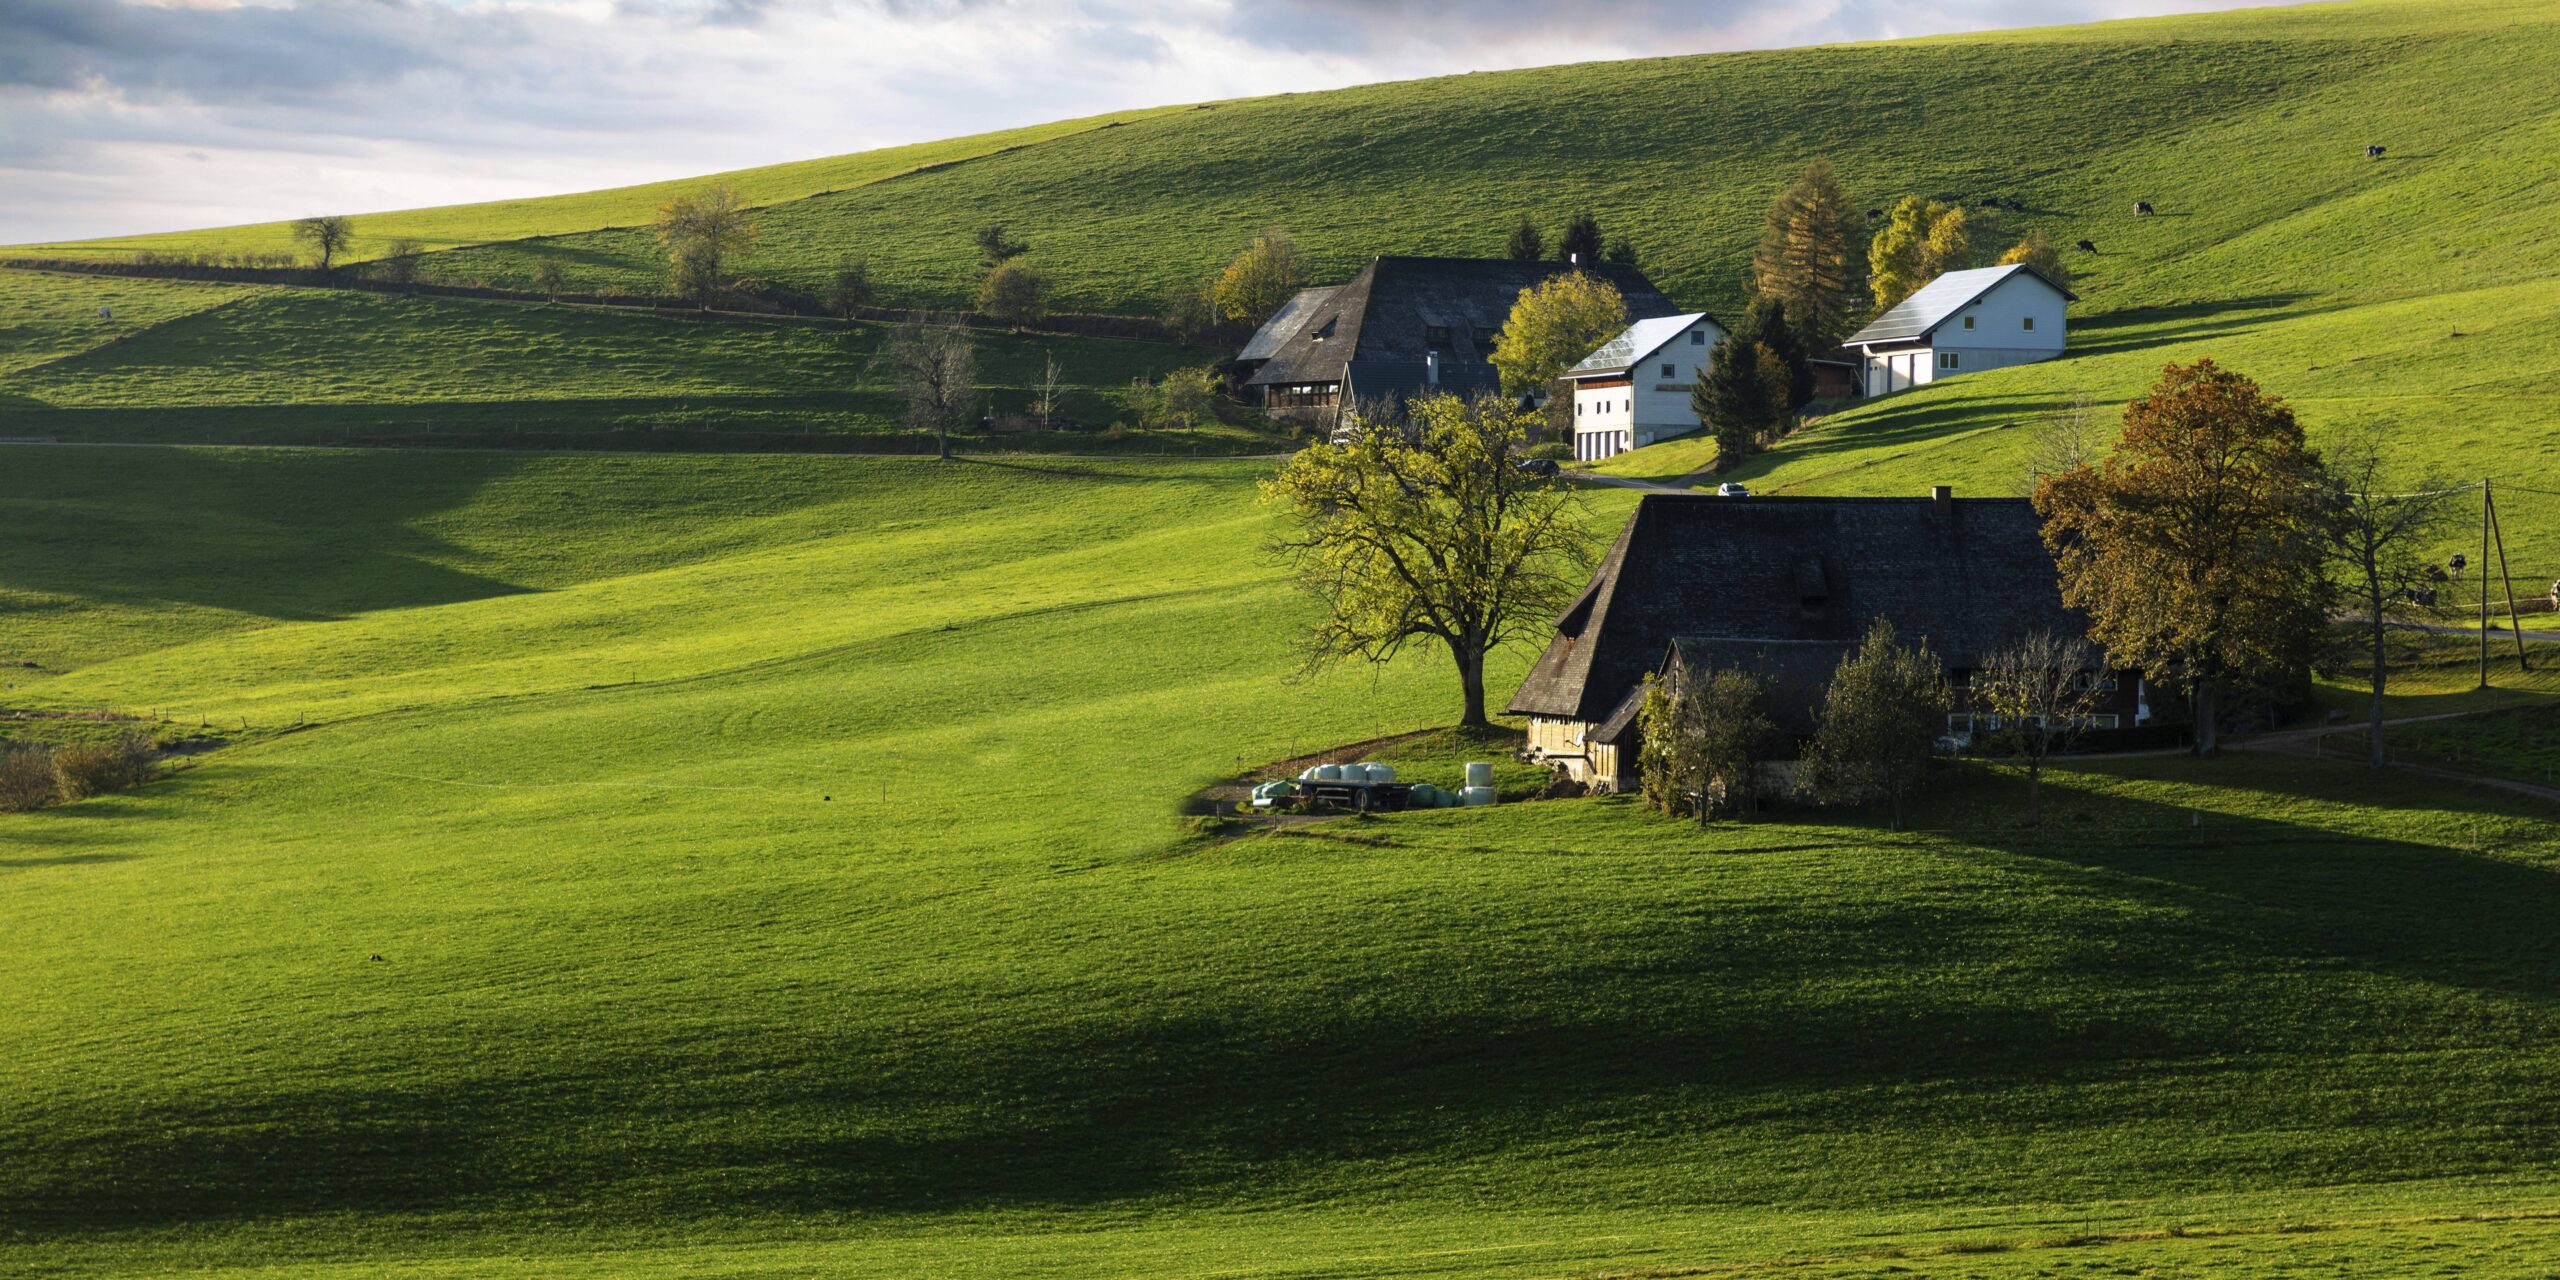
(2086, 247)
(2142, 208)
(2373, 152)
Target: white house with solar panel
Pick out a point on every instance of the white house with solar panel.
(1634, 389)
(1962, 322)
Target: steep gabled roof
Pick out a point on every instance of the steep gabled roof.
(1284, 323)
(1796, 577)
(1635, 344)
(1384, 314)
(1938, 301)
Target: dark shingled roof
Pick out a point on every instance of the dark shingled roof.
(1785, 586)
(1382, 317)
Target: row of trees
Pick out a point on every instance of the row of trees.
(1707, 731)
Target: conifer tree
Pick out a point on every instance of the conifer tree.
(1526, 244)
(1732, 401)
(1807, 257)
(1581, 241)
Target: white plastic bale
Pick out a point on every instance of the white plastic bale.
(1479, 774)
(1477, 796)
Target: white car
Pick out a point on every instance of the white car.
(1731, 490)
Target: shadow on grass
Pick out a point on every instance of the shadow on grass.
(2162, 326)
(307, 536)
(2063, 977)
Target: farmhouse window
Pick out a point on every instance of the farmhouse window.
(1437, 335)
(1697, 337)
(1968, 322)
(1946, 360)
(2030, 323)
(1960, 723)
(2107, 721)
(1669, 370)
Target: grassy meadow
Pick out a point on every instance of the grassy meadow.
(788, 883)
(650, 863)
(184, 362)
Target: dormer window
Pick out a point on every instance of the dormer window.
(1435, 336)
(1326, 331)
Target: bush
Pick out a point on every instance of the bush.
(1552, 450)
(81, 770)
(26, 778)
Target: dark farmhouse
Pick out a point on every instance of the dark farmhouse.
(1784, 588)
(1401, 327)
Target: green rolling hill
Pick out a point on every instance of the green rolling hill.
(775, 867)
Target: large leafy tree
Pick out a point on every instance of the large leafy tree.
(1430, 529)
(1704, 733)
(704, 233)
(1261, 276)
(1881, 719)
(1553, 325)
(1015, 293)
(2038, 250)
(2197, 548)
(1921, 240)
(328, 237)
(1808, 257)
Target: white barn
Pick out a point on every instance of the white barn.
(1963, 322)
(1634, 389)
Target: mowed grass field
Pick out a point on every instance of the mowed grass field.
(773, 869)
(177, 361)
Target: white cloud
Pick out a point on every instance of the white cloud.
(120, 116)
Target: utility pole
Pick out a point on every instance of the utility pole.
(2484, 582)
(2515, 620)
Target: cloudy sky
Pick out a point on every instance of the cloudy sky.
(140, 115)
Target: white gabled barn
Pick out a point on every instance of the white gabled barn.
(1963, 322)
(1634, 389)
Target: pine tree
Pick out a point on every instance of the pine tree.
(1807, 259)
(1581, 241)
(1526, 244)
(1733, 400)
(1765, 323)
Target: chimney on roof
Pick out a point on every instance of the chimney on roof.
(1943, 497)
(1431, 367)
(1573, 259)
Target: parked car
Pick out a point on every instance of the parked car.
(1543, 468)
(1731, 490)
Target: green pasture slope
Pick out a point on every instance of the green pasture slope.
(456, 225)
(774, 871)
(185, 362)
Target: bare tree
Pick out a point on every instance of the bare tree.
(1044, 393)
(2065, 441)
(934, 363)
(2380, 529)
(2034, 697)
(328, 237)
(399, 263)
